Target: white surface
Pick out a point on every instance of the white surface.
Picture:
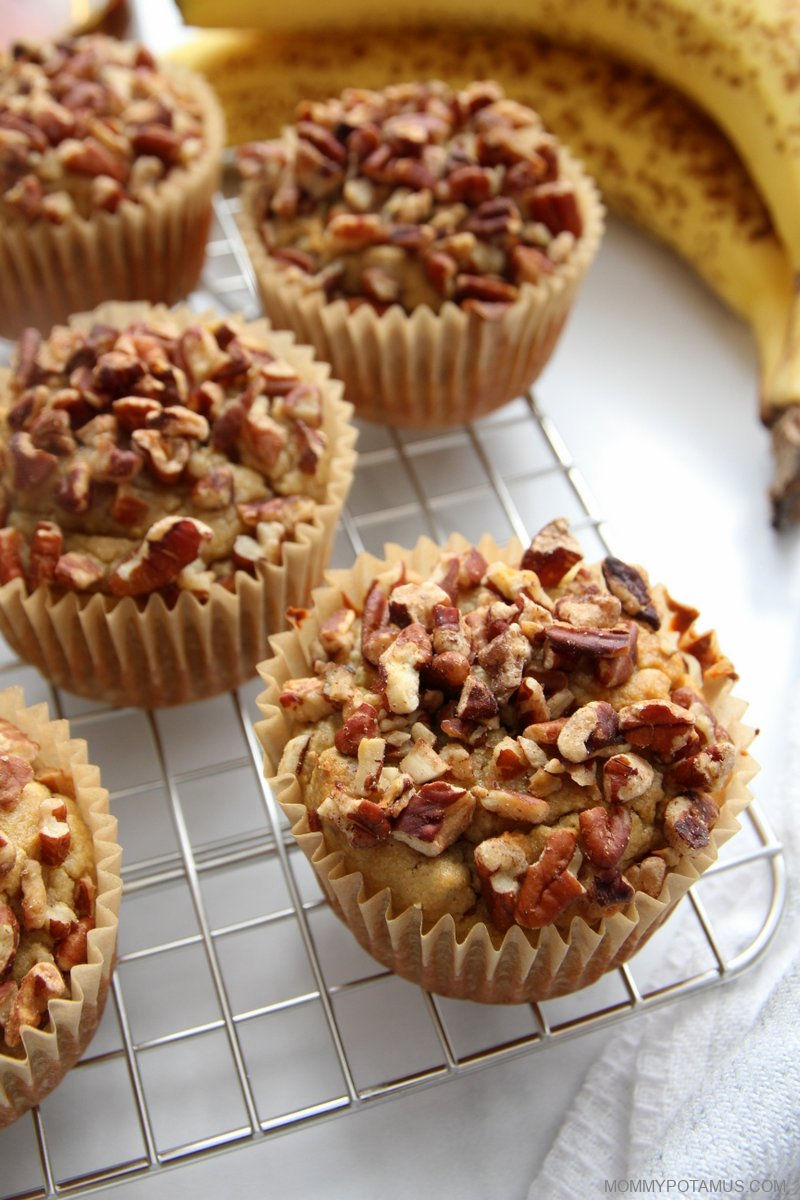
(653, 390)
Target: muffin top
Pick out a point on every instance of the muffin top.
(512, 744)
(158, 454)
(415, 195)
(87, 123)
(47, 885)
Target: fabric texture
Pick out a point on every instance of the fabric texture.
(706, 1089)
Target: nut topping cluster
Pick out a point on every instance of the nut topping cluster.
(541, 728)
(86, 124)
(163, 456)
(47, 885)
(416, 195)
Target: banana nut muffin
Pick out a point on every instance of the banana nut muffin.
(108, 162)
(158, 455)
(420, 199)
(513, 745)
(47, 886)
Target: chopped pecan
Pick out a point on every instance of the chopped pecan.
(55, 838)
(46, 544)
(709, 767)
(605, 834)
(337, 634)
(422, 763)
(530, 704)
(447, 671)
(306, 699)
(214, 490)
(73, 948)
(178, 421)
(626, 777)
(504, 659)
(664, 728)
(51, 430)
(74, 490)
(552, 553)
(509, 758)
(688, 820)
(609, 891)
(612, 652)
(477, 702)
(648, 875)
(11, 563)
(420, 602)
(434, 817)
(499, 863)
(595, 609)
(545, 733)
(116, 372)
(169, 545)
(85, 893)
(362, 723)
(556, 206)
(8, 858)
(166, 457)
(628, 585)
(31, 466)
(514, 806)
(371, 752)
(128, 508)
(548, 886)
(14, 741)
(34, 895)
(42, 983)
(401, 663)
(591, 728)
(15, 773)
(9, 937)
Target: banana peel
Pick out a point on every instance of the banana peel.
(658, 160)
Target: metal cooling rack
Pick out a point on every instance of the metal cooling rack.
(232, 973)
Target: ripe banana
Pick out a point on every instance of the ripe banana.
(657, 159)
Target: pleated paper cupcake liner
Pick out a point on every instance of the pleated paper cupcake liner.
(526, 965)
(49, 1053)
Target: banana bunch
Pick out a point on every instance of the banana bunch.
(657, 159)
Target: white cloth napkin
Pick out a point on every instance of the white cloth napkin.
(706, 1089)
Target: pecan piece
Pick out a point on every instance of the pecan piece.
(169, 545)
(166, 457)
(116, 372)
(15, 773)
(42, 983)
(400, 665)
(31, 466)
(74, 491)
(422, 764)
(548, 886)
(447, 671)
(609, 891)
(556, 206)
(11, 564)
(477, 702)
(214, 490)
(648, 875)
(628, 585)
(51, 431)
(688, 820)
(178, 421)
(552, 553)
(591, 728)
(46, 546)
(14, 741)
(626, 777)
(9, 937)
(362, 723)
(664, 728)
(435, 816)
(504, 659)
(612, 652)
(514, 806)
(157, 141)
(708, 768)
(589, 609)
(605, 834)
(499, 863)
(306, 699)
(72, 949)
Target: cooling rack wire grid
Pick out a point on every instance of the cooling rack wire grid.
(232, 970)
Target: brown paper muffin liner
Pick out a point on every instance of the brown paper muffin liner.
(149, 250)
(526, 965)
(49, 1053)
(427, 369)
(148, 655)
